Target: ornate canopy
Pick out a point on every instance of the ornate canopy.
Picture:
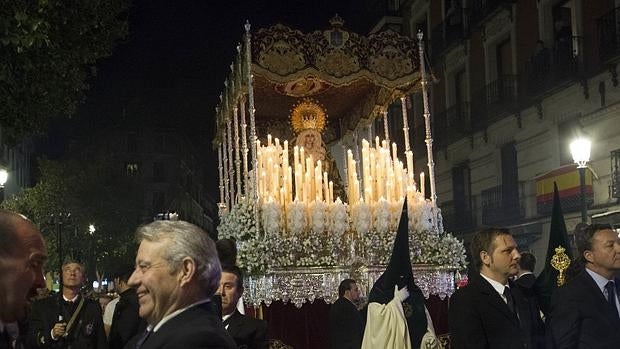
(354, 77)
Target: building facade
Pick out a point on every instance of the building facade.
(514, 82)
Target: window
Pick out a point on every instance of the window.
(159, 201)
(567, 132)
(159, 143)
(615, 173)
(461, 196)
(132, 142)
(510, 174)
(504, 58)
(159, 174)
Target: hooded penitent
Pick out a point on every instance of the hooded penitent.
(398, 272)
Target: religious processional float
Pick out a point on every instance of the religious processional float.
(303, 221)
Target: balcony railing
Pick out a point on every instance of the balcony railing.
(609, 34)
(501, 205)
(493, 101)
(453, 124)
(550, 67)
(458, 217)
(481, 9)
(452, 30)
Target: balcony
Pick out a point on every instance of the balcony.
(453, 124)
(497, 99)
(482, 9)
(451, 31)
(550, 68)
(615, 174)
(609, 35)
(501, 205)
(458, 218)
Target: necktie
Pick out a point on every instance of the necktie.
(509, 300)
(143, 338)
(611, 296)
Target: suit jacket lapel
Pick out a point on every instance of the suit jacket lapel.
(495, 300)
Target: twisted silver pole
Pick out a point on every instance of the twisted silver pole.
(427, 122)
(251, 110)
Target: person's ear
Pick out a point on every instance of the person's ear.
(188, 269)
(588, 256)
(485, 257)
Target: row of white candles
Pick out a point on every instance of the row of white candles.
(383, 176)
(276, 176)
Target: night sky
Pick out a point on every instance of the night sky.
(172, 66)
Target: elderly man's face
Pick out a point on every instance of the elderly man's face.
(72, 275)
(156, 284)
(22, 273)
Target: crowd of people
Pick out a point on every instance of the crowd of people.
(179, 295)
(184, 292)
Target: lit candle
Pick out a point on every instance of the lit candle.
(319, 185)
(326, 187)
(422, 184)
(331, 191)
(289, 187)
(298, 183)
(302, 158)
(394, 158)
(269, 140)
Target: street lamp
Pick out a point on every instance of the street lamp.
(580, 149)
(4, 176)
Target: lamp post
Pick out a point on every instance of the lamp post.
(580, 149)
(4, 176)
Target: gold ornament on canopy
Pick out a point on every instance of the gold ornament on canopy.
(308, 114)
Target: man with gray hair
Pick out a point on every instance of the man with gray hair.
(177, 272)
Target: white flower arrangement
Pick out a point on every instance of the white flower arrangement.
(382, 216)
(338, 218)
(322, 236)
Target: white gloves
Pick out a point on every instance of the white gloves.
(401, 294)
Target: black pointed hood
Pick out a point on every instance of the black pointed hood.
(399, 272)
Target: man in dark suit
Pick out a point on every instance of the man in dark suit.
(345, 321)
(177, 272)
(67, 320)
(22, 255)
(490, 312)
(526, 277)
(584, 312)
(126, 322)
(248, 332)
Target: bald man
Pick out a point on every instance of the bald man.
(22, 255)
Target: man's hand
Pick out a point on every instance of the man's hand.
(401, 294)
(59, 330)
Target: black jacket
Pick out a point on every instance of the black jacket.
(345, 325)
(581, 317)
(248, 332)
(479, 318)
(196, 327)
(126, 322)
(86, 332)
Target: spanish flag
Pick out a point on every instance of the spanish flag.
(569, 190)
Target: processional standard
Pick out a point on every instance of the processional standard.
(305, 219)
